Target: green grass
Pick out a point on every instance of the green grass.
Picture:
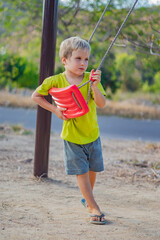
(19, 129)
(27, 132)
(16, 128)
(2, 136)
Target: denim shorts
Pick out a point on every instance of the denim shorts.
(79, 159)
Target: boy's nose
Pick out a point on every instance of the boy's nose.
(83, 63)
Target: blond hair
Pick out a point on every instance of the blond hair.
(71, 44)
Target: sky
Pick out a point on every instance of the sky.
(150, 2)
(157, 2)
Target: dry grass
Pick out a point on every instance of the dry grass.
(137, 97)
(125, 108)
(16, 100)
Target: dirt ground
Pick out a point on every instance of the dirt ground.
(128, 192)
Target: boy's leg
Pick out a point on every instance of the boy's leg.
(86, 190)
(92, 178)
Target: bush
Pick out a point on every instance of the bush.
(129, 75)
(155, 87)
(109, 77)
(156, 84)
(16, 71)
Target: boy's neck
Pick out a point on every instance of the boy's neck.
(73, 79)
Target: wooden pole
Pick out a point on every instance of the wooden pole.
(47, 62)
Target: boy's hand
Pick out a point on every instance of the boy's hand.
(41, 101)
(59, 113)
(96, 77)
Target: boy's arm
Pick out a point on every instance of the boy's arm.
(99, 98)
(41, 101)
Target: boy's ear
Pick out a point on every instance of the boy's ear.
(63, 60)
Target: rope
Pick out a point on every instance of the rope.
(89, 91)
(117, 35)
(99, 21)
(84, 84)
(112, 43)
(89, 81)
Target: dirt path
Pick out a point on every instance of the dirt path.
(128, 192)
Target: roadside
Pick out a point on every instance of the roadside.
(131, 106)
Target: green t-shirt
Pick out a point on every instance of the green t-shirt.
(80, 130)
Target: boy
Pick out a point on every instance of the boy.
(82, 146)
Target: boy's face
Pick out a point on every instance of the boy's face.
(78, 62)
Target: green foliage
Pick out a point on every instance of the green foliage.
(109, 77)
(20, 33)
(16, 71)
(16, 128)
(145, 87)
(155, 87)
(148, 65)
(29, 77)
(129, 75)
(157, 81)
(59, 69)
(17, 15)
(27, 132)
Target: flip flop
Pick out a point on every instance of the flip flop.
(84, 203)
(99, 222)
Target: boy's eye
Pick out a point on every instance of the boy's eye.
(79, 58)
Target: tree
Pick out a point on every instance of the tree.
(21, 22)
(17, 71)
(76, 16)
(129, 75)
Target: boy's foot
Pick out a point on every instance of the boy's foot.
(84, 203)
(97, 219)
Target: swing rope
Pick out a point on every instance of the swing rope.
(99, 21)
(76, 95)
(119, 31)
(111, 45)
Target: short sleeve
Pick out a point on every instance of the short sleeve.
(101, 89)
(45, 86)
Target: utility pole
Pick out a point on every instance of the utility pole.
(47, 63)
